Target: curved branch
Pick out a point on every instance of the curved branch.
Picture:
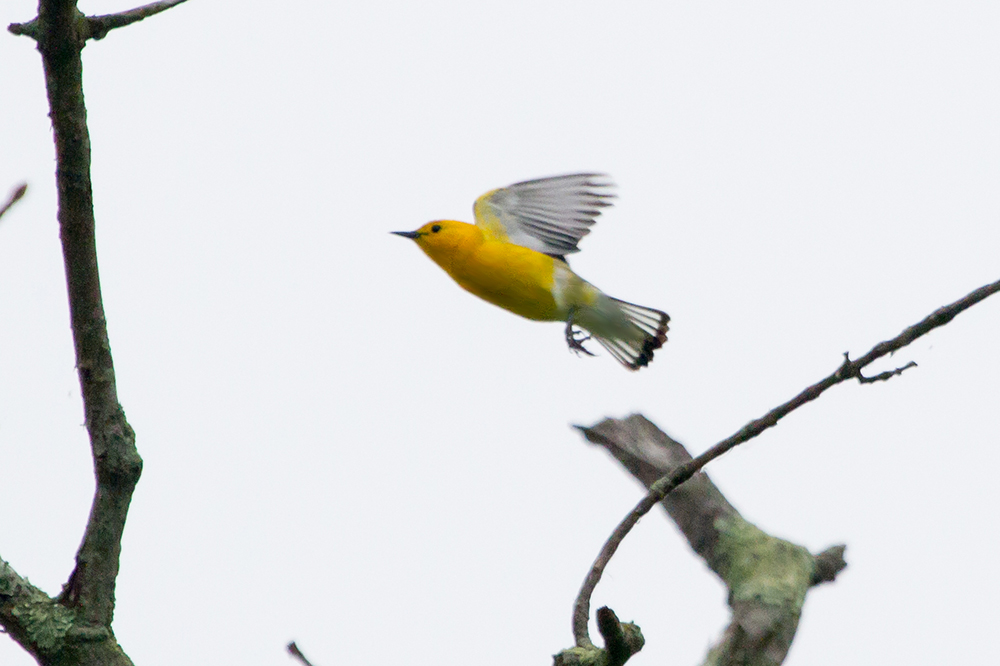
(848, 370)
(768, 578)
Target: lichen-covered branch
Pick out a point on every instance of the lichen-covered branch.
(48, 630)
(767, 577)
(621, 641)
(664, 486)
(19, 605)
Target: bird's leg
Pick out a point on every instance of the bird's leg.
(575, 339)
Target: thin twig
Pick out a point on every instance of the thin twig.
(294, 650)
(883, 376)
(848, 370)
(14, 197)
(100, 26)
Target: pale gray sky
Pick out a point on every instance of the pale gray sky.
(345, 449)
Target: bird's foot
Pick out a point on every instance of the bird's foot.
(575, 339)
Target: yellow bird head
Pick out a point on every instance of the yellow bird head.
(441, 239)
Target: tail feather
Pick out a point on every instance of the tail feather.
(635, 353)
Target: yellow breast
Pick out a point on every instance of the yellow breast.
(511, 276)
(514, 277)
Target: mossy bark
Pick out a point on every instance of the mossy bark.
(767, 577)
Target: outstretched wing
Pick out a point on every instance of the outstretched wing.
(549, 215)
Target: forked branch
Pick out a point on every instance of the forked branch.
(92, 27)
(848, 370)
(76, 627)
(100, 26)
(767, 577)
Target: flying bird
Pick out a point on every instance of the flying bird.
(514, 256)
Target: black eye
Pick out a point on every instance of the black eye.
(436, 228)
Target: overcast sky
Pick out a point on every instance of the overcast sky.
(345, 449)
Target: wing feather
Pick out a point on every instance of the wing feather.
(549, 215)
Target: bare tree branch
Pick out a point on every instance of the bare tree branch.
(14, 197)
(116, 462)
(294, 650)
(94, 27)
(86, 604)
(661, 488)
(883, 376)
(100, 26)
(29, 29)
(767, 577)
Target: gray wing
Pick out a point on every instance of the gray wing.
(549, 215)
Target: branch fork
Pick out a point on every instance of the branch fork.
(95, 27)
(667, 482)
(621, 641)
(76, 626)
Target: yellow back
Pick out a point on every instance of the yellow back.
(487, 219)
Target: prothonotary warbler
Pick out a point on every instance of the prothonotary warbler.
(514, 256)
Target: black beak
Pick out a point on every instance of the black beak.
(407, 234)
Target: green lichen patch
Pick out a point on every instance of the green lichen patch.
(594, 656)
(759, 567)
(45, 622)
